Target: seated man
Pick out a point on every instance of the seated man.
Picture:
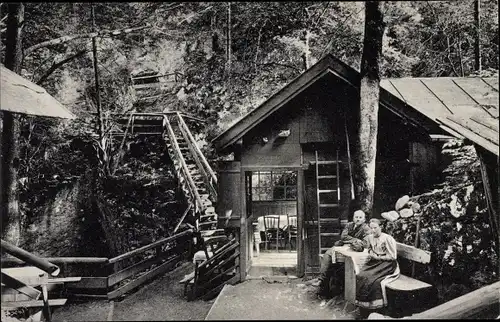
(333, 274)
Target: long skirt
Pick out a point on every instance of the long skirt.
(369, 290)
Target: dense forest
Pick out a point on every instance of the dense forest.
(231, 57)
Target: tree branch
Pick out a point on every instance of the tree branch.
(59, 64)
(65, 39)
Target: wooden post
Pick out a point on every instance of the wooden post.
(417, 236)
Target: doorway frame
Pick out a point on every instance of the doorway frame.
(246, 218)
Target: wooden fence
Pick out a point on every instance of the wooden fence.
(110, 278)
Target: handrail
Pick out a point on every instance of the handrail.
(148, 247)
(200, 155)
(60, 260)
(199, 163)
(177, 150)
(29, 258)
(155, 114)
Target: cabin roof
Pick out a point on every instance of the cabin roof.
(19, 95)
(466, 105)
(421, 101)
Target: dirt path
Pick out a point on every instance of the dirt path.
(160, 300)
(261, 299)
(276, 300)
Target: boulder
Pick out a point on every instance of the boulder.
(406, 212)
(402, 202)
(394, 214)
(390, 215)
(415, 207)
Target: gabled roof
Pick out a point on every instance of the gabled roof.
(327, 65)
(19, 95)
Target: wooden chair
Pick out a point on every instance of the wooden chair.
(272, 230)
(291, 229)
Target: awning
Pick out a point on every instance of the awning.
(19, 95)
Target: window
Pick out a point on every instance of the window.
(274, 185)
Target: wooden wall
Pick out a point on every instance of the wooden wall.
(229, 191)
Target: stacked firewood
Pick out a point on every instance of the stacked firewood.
(404, 208)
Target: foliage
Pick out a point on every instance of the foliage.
(454, 227)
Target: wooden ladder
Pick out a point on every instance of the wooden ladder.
(328, 201)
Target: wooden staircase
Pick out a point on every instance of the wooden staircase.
(197, 179)
(198, 183)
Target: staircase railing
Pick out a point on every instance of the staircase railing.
(208, 174)
(184, 168)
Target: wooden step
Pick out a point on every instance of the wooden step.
(208, 216)
(324, 249)
(328, 205)
(212, 232)
(327, 191)
(207, 223)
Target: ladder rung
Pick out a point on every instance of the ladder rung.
(330, 234)
(328, 205)
(324, 249)
(323, 221)
(327, 191)
(327, 177)
(325, 162)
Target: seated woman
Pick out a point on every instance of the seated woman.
(381, 268)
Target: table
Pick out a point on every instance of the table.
(353, 262)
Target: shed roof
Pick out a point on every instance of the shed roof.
(429, 102)
(466, 105)
(19, 95)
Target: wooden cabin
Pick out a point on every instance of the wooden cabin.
(291, 158)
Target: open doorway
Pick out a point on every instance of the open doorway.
(272, 205)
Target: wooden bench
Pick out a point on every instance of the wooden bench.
(407, 295)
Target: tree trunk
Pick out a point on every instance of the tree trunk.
(228, 41)
(306, 56)
(11, 217)
(477, 45)
(365, 119)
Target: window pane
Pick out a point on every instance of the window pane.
(255, 194)
(291, 178)
(255, 180)
(265, 179)
(291, 193)
(278, 178)
(265, 193)
(278, 193)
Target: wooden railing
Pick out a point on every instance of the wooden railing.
(184, 168)
(208, 174)
(109, 278)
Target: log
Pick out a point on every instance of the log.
(468, 306)
(30, 258)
